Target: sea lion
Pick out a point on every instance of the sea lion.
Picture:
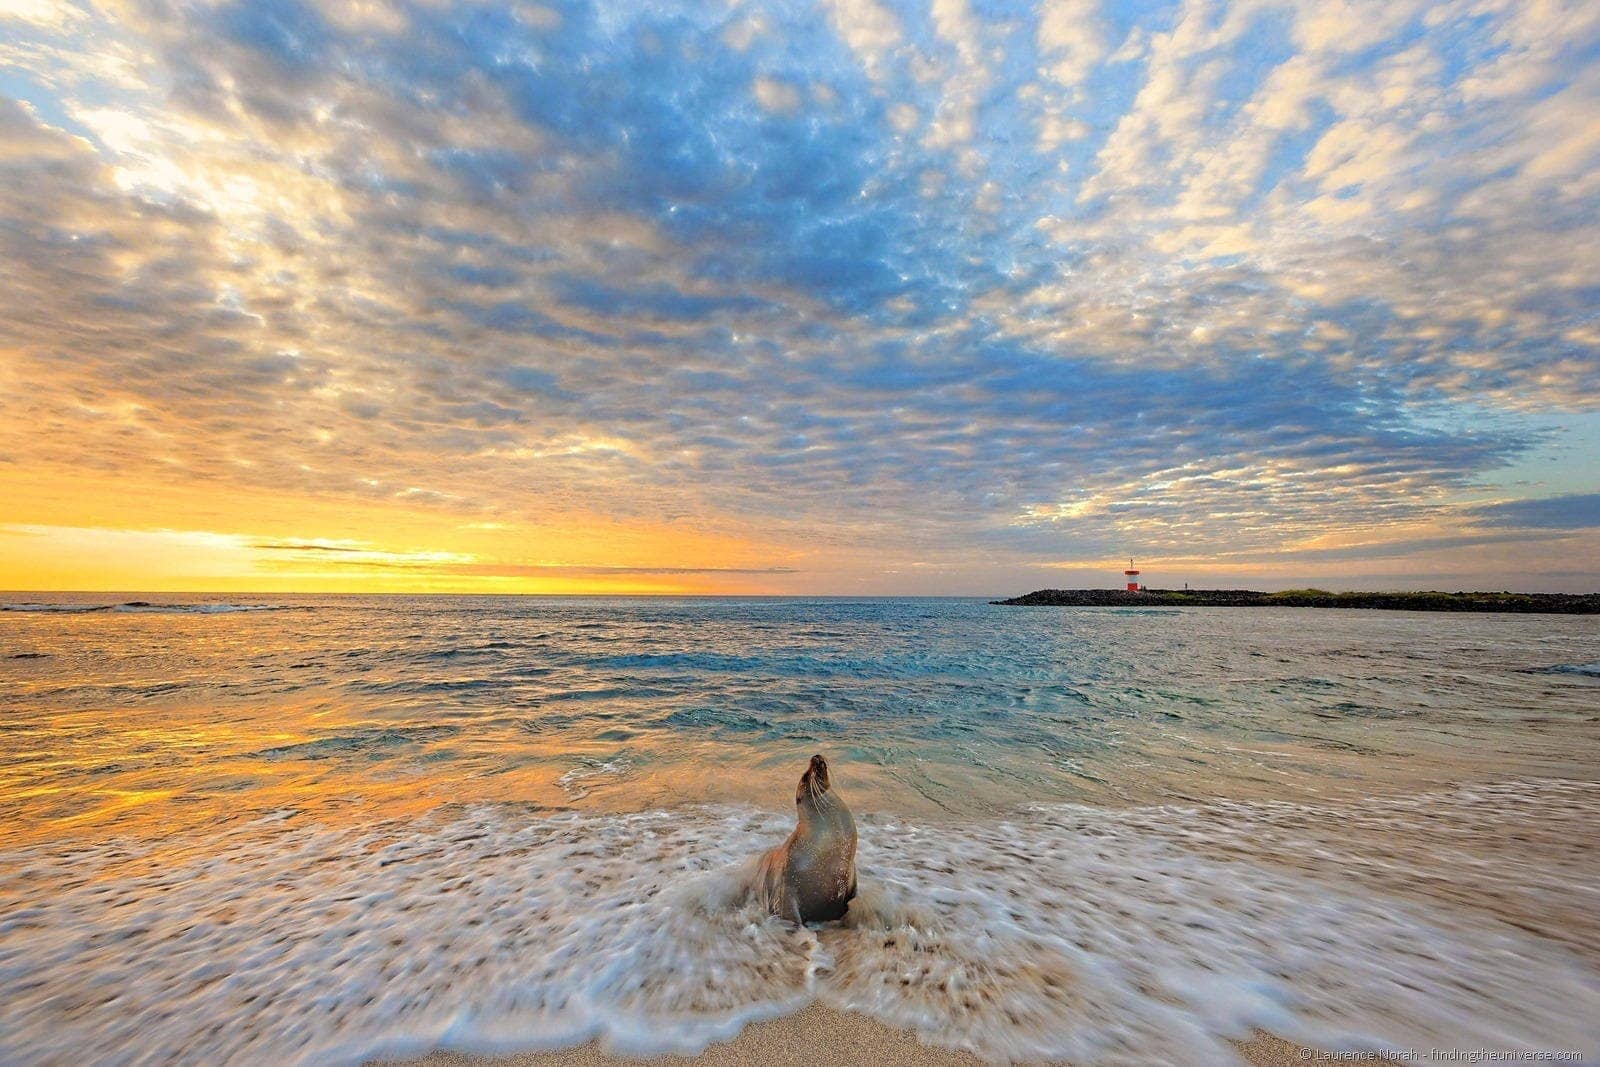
(811, 877)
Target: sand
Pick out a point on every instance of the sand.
(812, 1037)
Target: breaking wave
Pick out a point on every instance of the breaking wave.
(1146, 935)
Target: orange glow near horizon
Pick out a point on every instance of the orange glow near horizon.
(67, 531)
(106, 535)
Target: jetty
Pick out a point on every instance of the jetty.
(1516, 603)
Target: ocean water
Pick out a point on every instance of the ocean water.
(325, 829)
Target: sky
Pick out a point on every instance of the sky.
(847, 297)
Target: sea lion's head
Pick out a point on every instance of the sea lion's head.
(814, 782)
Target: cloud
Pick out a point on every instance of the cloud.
(48, 13)
(1070, 39)
(1571, 511)
(303, 546)
(776, 95)
(915, 283)
(535, 570)
(867, 27)
(364, 555)
(1383, 550)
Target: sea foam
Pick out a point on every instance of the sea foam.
(1063, 931)
(1590, 669)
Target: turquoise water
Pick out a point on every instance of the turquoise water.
(507, 822)
(926, 705)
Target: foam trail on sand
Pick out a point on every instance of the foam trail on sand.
(1590, 669)
(1152, 934)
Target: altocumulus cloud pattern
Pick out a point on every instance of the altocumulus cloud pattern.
(1045, 279)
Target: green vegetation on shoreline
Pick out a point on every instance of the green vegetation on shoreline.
(1525, 603)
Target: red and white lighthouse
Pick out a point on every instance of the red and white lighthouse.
(1132, 575)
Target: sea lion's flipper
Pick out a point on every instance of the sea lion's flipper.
(767, 884)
